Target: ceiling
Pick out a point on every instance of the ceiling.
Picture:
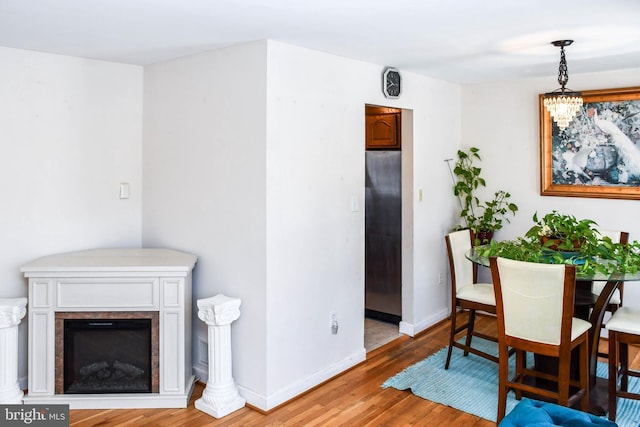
(463, 41)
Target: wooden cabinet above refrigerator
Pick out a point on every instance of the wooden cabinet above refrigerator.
(383, 128)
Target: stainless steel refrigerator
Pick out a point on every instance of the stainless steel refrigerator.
(383, 235)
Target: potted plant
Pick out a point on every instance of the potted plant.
(593, 254)
(482, 217)
(563, 232)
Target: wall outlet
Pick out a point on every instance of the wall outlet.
(441, 278)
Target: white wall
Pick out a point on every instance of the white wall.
(71, 131)
(502, 119)
(436, 109)
(205, 189)
(315, 165)
(252, 156)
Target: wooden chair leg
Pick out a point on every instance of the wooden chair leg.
(623, 358)
(521, 365)
(470, 328)
(503, 373)
(564, 370)
(613, 374)
(584, 375)
(452, 335)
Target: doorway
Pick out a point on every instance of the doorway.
(383, 214)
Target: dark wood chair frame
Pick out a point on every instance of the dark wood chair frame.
(518, 383)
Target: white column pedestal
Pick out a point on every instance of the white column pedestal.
(11, 312)
(220, 397)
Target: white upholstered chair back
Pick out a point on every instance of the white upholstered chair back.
(532, 297)
(460, 242)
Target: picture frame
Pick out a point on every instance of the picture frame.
(598, 154)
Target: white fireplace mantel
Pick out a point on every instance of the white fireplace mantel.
(112, 280)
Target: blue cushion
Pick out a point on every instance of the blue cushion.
(533, 413)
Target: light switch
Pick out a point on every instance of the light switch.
(124, 190)
(354, 204)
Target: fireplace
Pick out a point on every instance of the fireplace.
(110, 352)
(82, 304)
(107, 356)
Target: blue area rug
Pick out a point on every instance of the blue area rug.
(471, 384)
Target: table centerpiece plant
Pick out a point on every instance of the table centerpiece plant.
(558, 238)
(563, 232)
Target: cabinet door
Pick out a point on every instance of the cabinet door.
(383, 131)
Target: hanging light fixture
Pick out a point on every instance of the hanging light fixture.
(563, 104)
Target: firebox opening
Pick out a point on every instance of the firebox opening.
(107, 356)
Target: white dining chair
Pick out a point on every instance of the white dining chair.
(624, 330)
(534, 307)
(467, 296)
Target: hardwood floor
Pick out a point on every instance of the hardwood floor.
(352, 399)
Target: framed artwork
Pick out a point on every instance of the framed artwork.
(598, 154)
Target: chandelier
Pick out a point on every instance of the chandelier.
(563, 104)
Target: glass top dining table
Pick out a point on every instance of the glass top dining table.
(597, 305)
(474, 255)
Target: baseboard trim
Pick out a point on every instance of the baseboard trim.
(267, 403)
(413, 329)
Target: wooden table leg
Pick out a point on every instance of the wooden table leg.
(598, 391)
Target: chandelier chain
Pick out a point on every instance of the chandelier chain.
(563, 72)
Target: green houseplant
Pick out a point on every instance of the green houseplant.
(563, 232)
(558, 238)
(482, 217)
